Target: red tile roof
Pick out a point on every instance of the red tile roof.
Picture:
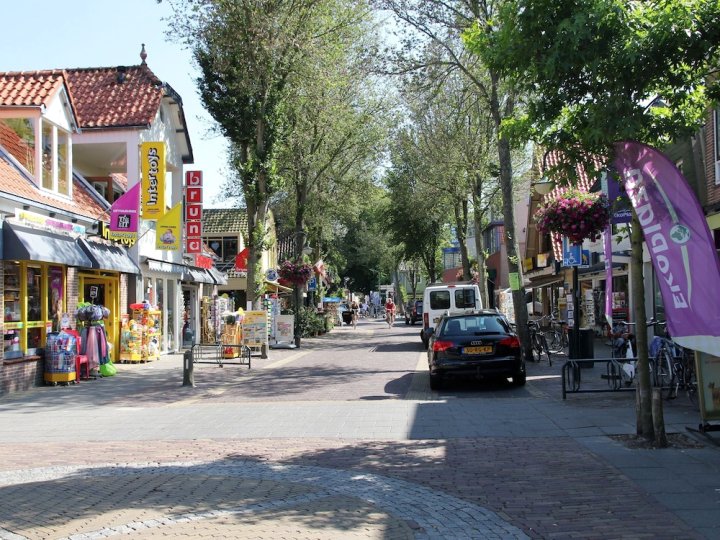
(115, 97)
(30, 88)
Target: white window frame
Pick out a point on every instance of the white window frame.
(55, 160)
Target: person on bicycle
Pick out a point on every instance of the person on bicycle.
(355, 310)
(390, 311)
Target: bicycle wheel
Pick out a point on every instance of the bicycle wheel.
(554, 341)
(545, 349)
(665, 377)
(537, 348)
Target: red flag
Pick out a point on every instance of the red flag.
(241, 260)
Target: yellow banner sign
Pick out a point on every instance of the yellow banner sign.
(168, 232)
(152, 165)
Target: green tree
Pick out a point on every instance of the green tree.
(247, 52)
(433, 48)
(600, 71)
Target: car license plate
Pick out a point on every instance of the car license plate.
(485, 349)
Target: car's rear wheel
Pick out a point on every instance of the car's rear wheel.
(519, 379)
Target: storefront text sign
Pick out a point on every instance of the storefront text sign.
(152, 165)
(31, 218)
(193, 212)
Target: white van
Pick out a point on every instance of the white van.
(447, 297)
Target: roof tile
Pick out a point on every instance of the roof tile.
(115, 97)
(225, 220)
(29, 88)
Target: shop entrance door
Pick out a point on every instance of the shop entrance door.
(104, 291)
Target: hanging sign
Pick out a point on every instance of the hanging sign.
(124, 216)
(168, 230)
(152, 166)
(193, 212)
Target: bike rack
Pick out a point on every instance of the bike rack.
(221, 354)
(572, 376)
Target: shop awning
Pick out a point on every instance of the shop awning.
(219, 277)
(198, 275)
(108, 257)
(164, 266)
(274, 286)
(29, 244)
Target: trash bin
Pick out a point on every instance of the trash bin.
(586, 347)
(347, 317)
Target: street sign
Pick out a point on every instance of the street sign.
(572, 253)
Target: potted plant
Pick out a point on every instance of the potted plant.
(296, 273)
(575, 214)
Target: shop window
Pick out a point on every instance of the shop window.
(12, 293)
(47, 156)
(34, 290)
(56, 296)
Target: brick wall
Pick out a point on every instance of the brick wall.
(21, 376)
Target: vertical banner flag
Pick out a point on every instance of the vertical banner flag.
(681, 247)
(168, 231)
(193, 212)
(124, 216)
(607, 242)
(152, 166)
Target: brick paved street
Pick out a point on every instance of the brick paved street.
(342, 439)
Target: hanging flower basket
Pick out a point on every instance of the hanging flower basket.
(575, 214)
(296, 273)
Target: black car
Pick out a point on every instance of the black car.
(413, 312)
(480, 344)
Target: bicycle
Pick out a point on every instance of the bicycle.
(390, 317)
(557, 336)
(621, 370)
(538, 341)
(674, 368)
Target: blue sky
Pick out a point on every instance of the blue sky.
(47, 34)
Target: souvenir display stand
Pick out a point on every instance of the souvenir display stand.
(146, 327)
(231, 340)
(130, 340)
(60, 353)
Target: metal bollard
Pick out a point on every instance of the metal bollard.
(188, 377)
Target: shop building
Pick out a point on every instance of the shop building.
(51, 260)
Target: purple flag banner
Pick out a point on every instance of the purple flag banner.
(124, 215)
(607, 243)
(681, 247)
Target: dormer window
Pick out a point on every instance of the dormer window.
(56, 164)
(50, 161)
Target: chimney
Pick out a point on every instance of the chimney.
(121, 72)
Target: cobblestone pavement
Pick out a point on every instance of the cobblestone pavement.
(358, 447)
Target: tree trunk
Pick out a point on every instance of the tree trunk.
(508, 204)
(641, 343)
(480, 246)
(461, 226)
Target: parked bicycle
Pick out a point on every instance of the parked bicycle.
(673, 365)
(539, 342)
(557, 336)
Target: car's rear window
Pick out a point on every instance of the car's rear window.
(439, 299)
(475, 325)
(465, 298)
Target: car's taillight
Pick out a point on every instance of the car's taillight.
(426, 320)
(512, 342)
(440, 346)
